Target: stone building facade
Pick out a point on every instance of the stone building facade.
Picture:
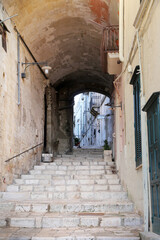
(140, 58)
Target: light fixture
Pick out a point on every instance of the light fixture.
(45, 67)
(114, 106)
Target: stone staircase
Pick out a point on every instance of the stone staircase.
(76, 197)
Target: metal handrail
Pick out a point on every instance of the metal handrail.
(23, 152)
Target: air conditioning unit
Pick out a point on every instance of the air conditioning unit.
(113, 65)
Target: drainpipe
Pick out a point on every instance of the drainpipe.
(121, 28)
(18, 67)
(145, 167)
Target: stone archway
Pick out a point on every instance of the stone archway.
(60, 103)
(69, 36)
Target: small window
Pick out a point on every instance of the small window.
(3, 32)
(135, 81)
(95, 132)
(4, 41)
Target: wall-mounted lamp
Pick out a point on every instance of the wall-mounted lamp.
(114, 106)
(46, 68)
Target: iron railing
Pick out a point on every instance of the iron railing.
(111, 38)
(109, 43)
(24, 152)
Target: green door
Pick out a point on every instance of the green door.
(153, 121)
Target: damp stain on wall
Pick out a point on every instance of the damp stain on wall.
(100, 10)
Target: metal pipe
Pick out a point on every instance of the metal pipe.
(18, 66)
(121, 30)
(33, 63)
(145, 168)
(24, 43)
(8, 18)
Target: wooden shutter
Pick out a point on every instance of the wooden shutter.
(137, 121)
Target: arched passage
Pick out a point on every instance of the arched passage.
(60, 105)
(68, 35)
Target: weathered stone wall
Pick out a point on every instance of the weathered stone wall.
(21, 127)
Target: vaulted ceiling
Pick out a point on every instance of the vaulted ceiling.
(65, 33)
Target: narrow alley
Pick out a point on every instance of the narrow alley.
(79, 120)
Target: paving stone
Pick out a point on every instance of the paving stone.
(111, 222)
(22, 222)
(3, 223)
(40, 207)
(23, 208)
(89, 222)
(13, 188)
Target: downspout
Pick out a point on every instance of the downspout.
(18, 66)
(145, 167)
(121, 30)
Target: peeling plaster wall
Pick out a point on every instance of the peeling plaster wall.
(21, 127)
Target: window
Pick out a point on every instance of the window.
(3, 32)
(135, 81)
(4, 41)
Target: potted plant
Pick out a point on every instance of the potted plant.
(107, 152)
(76, 141)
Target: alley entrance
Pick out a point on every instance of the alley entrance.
(92, 121)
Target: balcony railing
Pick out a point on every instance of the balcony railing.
(111, 38)
(110, 43)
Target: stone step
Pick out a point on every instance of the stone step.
(88, 149)
(53, 220)
(80, 161)
(86, 177)
(56, 181)
(81, 150)
(68, 207)
(74, 179)
(73, 168)
(101, 233)
(68, 182)
(77, 161)
(63, 188)
(72, 172)
(78, 172)
(101, 195)
(82, 156)
(37, 178)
